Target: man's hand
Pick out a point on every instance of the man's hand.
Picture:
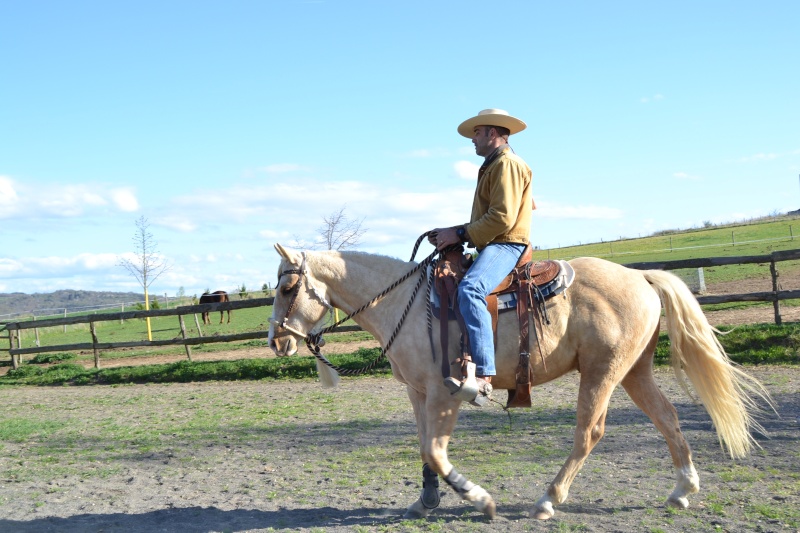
(441, 238)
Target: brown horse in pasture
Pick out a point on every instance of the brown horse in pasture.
(213, 298)
(605, 326)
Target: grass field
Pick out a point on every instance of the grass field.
(761, 238)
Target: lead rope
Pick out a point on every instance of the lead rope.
(313, 339)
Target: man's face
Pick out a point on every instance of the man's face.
(481, 138)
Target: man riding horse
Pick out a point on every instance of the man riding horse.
(499, 228)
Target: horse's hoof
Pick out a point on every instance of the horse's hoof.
(416, 511)
(678, 503)
(544, 509)
(412, 515)
(490, 510)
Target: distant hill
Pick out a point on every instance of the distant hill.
(18, 302)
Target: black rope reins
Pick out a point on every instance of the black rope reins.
(313, 340)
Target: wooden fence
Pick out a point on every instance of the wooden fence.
(774, 296)
(15, 348)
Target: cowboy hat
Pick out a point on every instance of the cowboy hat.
(491, 117)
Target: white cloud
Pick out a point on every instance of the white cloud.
(466, 170)
(125, 200)
(8, 197)
(175, 222)
(49, 266)
(32, 200)
(9, 266)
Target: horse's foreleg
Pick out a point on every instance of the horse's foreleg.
(589, 429)
(643, 390)
(221, 316)
(229, 316)
(436, 415)
(429, 498)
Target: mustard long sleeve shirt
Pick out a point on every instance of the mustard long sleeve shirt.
(502, 206)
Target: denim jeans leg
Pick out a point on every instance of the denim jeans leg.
(492, 265)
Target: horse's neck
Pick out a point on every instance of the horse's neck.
(354, 278)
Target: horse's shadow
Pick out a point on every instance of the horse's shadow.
(209, 519)
(198, 520)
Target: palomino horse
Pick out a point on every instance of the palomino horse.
(605, 326)
(213, 298)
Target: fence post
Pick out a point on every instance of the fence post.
(733, 240)
(36, 333)
(183, 332)
(65, 316)
(93, 329)
(12, 334)
(122, 310)
(775, 303)
(197, 323)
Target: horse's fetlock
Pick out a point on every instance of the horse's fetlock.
(558, 494)
(481, 500)
(459, 483)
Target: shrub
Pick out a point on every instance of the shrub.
(45, 358)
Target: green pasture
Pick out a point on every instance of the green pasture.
(162, 328)
(757, 238)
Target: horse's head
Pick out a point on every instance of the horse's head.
(300, 302)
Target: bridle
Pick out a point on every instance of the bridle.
(314, 341)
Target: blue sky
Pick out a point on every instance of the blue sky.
(232, 126)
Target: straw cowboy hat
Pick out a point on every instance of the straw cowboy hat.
(491, 117)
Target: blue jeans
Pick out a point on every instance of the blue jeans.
(492, 265)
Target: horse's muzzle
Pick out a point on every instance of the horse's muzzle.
(283, 345)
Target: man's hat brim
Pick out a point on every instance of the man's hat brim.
(491, 117)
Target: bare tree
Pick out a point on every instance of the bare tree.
(339, 232)
(148, 264)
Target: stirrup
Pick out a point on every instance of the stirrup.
(468, 390)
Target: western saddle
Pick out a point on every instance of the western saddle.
(530, 283)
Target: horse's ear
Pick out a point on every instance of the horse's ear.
(290, 255)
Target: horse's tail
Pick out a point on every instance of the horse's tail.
(727, 392)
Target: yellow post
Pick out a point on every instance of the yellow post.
(147, 308)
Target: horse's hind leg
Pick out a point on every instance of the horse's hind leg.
(643, 390)
(591, 422)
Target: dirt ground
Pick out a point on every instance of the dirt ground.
(289, 456)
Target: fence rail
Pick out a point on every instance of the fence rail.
(774, 296)
(13, 328)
